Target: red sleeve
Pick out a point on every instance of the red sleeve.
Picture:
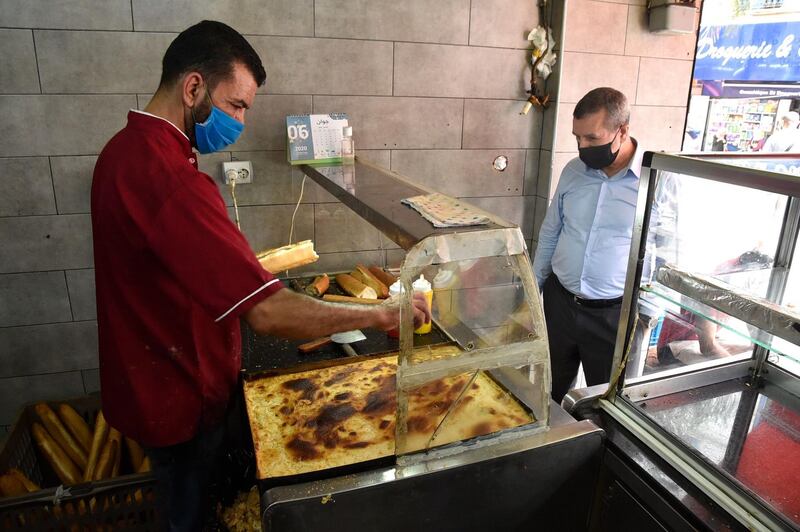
(195, 240)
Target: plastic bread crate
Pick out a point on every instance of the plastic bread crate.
(126, 502)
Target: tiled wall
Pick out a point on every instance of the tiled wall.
(607, 43)
(433, 88)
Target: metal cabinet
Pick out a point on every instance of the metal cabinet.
(713, 283)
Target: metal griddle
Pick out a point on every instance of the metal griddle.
(263, 353)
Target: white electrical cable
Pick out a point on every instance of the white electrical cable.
(235, 203)
(296, 207)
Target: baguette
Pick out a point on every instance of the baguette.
(313, 345)
(361, 273)
(288, 257)
(354, 287)
(319, 286)
(98, 441)
(76, 426)
(105, 464)
(332, 298)
(136, 453)
(145, 467)
(383, 276)
(114, 435)
(61, 435)
(11, 486)
(30, 485)
(66, 470)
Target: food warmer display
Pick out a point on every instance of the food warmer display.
(703, 412)
(453, 428)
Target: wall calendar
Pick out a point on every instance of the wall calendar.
(315, 139)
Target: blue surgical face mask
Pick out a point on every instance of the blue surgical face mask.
(218, 131)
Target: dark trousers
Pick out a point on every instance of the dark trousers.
(578, 334)
(183, 473)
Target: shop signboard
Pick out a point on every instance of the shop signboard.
(749, 52)
(721, 89)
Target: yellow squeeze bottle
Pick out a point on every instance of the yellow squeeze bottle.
(422, 286)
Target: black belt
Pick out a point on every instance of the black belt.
(589, 303)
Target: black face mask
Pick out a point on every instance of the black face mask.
(598, 157)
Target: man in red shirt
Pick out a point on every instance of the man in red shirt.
(174, 275)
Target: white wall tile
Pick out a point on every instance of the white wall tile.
(664, 82)
(444, 21)
(72, 181)
(325, 66)
(502, 23)
(459, 71)
(462, 172)
(339, 229)
(268, 227)
(16, 392)
(583, 72)
(27, 187)
(518, 210)
(80, 284)
(43, 243)
(33, 298)
(49, 348)
(100, 61)
(658, 128)
(398, 123)
(61, 125)
(18, 73)
(67, 14)
(583, 34)
(258, 17)
(498, 124)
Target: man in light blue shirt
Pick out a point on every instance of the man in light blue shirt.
(582, 255)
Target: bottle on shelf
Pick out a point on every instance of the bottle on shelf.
(348, 148)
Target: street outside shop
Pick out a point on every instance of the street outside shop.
(746, 78)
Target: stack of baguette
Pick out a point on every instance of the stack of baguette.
(14, 483)
(366, 283)
(76, 452)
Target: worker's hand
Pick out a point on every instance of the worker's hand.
(422, 312)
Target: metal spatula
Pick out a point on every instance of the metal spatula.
(346, 338)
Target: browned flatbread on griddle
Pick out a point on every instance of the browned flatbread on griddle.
(342, 415)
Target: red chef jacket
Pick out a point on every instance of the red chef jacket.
(173, 275)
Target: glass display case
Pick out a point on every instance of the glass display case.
(484, 299)
(707, 360)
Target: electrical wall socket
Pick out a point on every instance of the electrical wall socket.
(241, 171)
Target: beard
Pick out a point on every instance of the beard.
(196, 115)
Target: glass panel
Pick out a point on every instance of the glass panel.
(682, 334)
(495, 378)
(785, 355)
(705, 424)
(781, 165)
(714, 228)
(752, 435)
(486, 297)
(724, 231)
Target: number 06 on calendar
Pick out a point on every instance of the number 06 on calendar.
(315, 139)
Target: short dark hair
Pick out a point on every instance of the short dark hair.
(212, 49)
(605, 98)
